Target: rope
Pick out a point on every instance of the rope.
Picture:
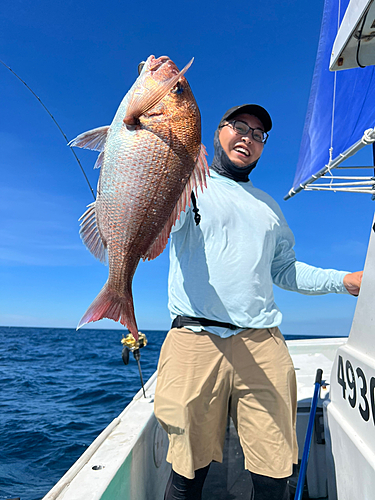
(368, 136)
(334, 92)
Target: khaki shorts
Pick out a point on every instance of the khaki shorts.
(202, 377)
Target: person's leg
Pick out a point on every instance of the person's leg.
(269, 488)
(181, 488)
(191, 398)
(264, 403)
(264, 488)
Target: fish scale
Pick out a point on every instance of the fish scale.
(151, 160)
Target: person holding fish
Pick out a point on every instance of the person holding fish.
(225, 352)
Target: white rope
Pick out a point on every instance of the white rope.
(334, 91)
(368, 136)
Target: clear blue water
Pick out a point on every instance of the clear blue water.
(59, 389)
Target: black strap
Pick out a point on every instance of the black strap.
(197, 217)
(181, 321)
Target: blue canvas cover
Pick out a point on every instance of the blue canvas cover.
(354, 109)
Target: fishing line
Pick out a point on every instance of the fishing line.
(58, 126)
(143, 340)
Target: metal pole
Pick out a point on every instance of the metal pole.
(306, 449)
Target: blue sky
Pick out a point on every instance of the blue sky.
(81, 58)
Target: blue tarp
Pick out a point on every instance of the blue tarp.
(354, 103)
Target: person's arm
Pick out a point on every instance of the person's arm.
(296, 276)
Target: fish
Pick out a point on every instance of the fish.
(151, 159)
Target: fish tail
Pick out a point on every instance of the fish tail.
(109, 304)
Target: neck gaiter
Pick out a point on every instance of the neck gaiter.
(223, 166)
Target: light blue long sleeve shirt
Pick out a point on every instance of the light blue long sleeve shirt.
(224, 268)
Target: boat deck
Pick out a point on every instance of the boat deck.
(113, 467)
(229, 480)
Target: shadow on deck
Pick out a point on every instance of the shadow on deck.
(229, 480)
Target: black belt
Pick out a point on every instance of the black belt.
(181, 321)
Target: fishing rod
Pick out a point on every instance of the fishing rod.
(55, 122)
(129, 345)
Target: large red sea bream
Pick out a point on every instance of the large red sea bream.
(151, 159)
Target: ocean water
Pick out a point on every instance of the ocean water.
(59, 389)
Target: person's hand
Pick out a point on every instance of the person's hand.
(352, 282)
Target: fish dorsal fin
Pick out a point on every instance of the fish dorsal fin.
(196, 179)
(141, 103)
(92, 139)
(90, 235)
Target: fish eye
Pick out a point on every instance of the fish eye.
(140, 66)
(178, 89)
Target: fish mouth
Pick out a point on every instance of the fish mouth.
(162, 62)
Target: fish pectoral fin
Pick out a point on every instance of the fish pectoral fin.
(92, 139)
(200, 170)
(197, 179)
(90, 234)
(140, 104)
(99, 160)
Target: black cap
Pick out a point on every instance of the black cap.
(251, 109)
